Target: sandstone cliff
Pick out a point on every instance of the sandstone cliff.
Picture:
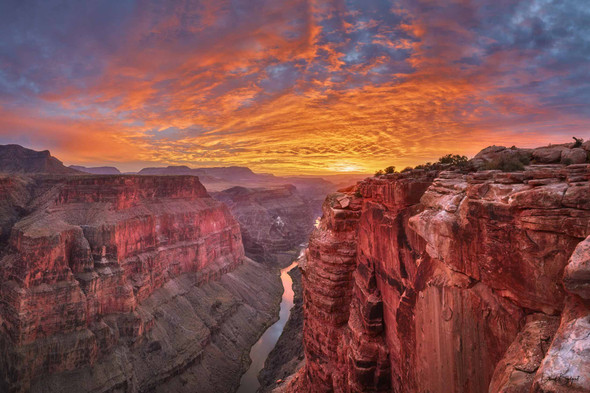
(18, 159)
(273, 220)
(453, 281)
(122, 283)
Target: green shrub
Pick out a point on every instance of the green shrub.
(390, 169)
(453, 159)
(407, 169)
(379, 172)
(426, 166)
(506, 164)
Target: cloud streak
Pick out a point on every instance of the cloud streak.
(291, 86)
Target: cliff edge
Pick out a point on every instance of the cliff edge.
(454, 280)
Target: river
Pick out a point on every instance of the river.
(259, 352)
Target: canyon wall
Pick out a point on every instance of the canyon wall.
(273, 220)
(122, 283)
(451, 281)
(18, 159)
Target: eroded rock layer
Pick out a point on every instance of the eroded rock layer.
(87, 266)
(451, 281)
(273, 220)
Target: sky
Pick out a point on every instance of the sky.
(291, 86)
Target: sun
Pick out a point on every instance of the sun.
(345, 167)
(350, 168)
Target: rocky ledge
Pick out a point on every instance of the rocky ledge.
(122, 283)
(453, 281)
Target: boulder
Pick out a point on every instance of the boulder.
(574, 156)
(548, 155)
(498, 154)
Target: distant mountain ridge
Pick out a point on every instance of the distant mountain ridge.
(97, 170)
(229, 173)
(18, 159)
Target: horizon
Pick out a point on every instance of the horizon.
(290, 87)
(327, 175)
(341, 174)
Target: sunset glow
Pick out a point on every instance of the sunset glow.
(291, 86)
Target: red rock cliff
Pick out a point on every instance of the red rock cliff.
(451, 282)
(273, 220)
(91, 250)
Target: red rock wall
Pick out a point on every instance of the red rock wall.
(273, 220)
(93, 248)
(450, 282)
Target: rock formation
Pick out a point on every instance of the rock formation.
(97, 170)
(313, 189)
(453, 281)
(122, 283)
(18, 159)
(276, 213)
(216, 178)
(229, 173)
(272, 220)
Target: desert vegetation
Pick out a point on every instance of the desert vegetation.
(442, 163)
(512, 163)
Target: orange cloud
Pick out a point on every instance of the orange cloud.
(299, 87)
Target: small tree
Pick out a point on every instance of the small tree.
(578, 141)
(453, 159)
(379, 172)
(390, 169)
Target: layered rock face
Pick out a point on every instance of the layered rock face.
(100, 274)
(451, 281)
(18, 159)
(273, 219)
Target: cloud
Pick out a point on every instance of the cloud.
(291, 86)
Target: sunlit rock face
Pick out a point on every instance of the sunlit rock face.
(272, 219)
(451, 281)
(88, 263)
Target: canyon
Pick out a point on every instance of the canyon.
(275, 221)
(125, 283)
(446, 279)
(453, 279)
(136, 283)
